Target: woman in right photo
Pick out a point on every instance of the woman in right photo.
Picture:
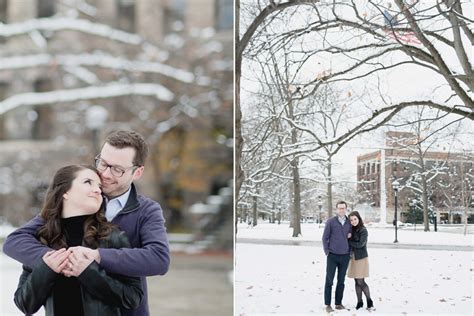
(359, 264)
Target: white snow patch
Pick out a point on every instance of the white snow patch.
(290, 280)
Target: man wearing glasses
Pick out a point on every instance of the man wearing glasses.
(120, 162)
(337, 250)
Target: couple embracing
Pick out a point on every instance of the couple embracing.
(345, 245)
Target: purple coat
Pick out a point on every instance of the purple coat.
(335, 237)
(143, 222)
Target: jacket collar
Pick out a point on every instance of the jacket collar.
(132, 202)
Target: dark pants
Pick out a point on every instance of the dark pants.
(333, 261)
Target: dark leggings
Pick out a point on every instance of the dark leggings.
(360, 287)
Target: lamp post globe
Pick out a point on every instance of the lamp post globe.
(96, 116)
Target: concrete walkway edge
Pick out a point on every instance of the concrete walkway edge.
(398, 245)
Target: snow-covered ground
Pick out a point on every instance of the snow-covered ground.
(283, 279)
(277, 279)
(5, 229)
(446, 235)
(10, 271)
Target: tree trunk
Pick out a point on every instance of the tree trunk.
(425, 203)
(464, 200)
(296, 199)
(296, 179)
(465, 219)
(238, 173)
(329, 187)
(255, 212)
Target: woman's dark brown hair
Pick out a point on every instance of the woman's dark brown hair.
(96, 226)
(361, 222)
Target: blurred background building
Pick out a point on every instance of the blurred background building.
(71, 71)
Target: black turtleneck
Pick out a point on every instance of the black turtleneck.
(67, 291)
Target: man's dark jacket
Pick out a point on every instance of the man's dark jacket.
(335, 236)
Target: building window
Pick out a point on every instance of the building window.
(3, 11)
(45, 8)
(468, 167)
(3, 16)
(41, 115)
(174, 16)
(126, 15)
(224, 14)
(3, 96)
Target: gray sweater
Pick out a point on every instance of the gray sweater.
(335, 237)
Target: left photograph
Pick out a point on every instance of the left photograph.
(116, 165)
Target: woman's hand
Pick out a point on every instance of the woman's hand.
(76, 265)
(56, 260)
(349, 236)
(86, 252)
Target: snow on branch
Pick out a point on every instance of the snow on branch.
(65, 23)
(99, 60)
(102, 92)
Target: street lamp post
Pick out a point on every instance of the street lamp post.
(395, 186)
(96, 116)
(320, 207)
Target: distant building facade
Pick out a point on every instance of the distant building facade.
(450, 175)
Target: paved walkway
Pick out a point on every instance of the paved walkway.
(195, 285)
(372, 245)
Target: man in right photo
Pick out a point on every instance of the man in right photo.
(364, 102)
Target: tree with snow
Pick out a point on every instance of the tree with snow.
(424, 47)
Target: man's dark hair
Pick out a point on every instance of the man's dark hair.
(124, 139)
(341, 202)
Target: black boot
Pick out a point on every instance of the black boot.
(359, 304)
(370, 304)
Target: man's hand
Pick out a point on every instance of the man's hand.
(349, 236)
(76, 265)
(91, 254)
(56, 260)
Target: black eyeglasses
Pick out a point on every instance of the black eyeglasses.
(116, 171)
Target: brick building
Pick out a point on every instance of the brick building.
(451, 175)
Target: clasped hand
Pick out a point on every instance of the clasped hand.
(72, 261)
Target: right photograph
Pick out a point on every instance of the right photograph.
(354, 178)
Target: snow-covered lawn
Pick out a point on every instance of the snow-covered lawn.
(277, 279)
(313, 232)
(5, 230)
(10, 271)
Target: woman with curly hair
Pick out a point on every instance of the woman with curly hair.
(64, 282)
